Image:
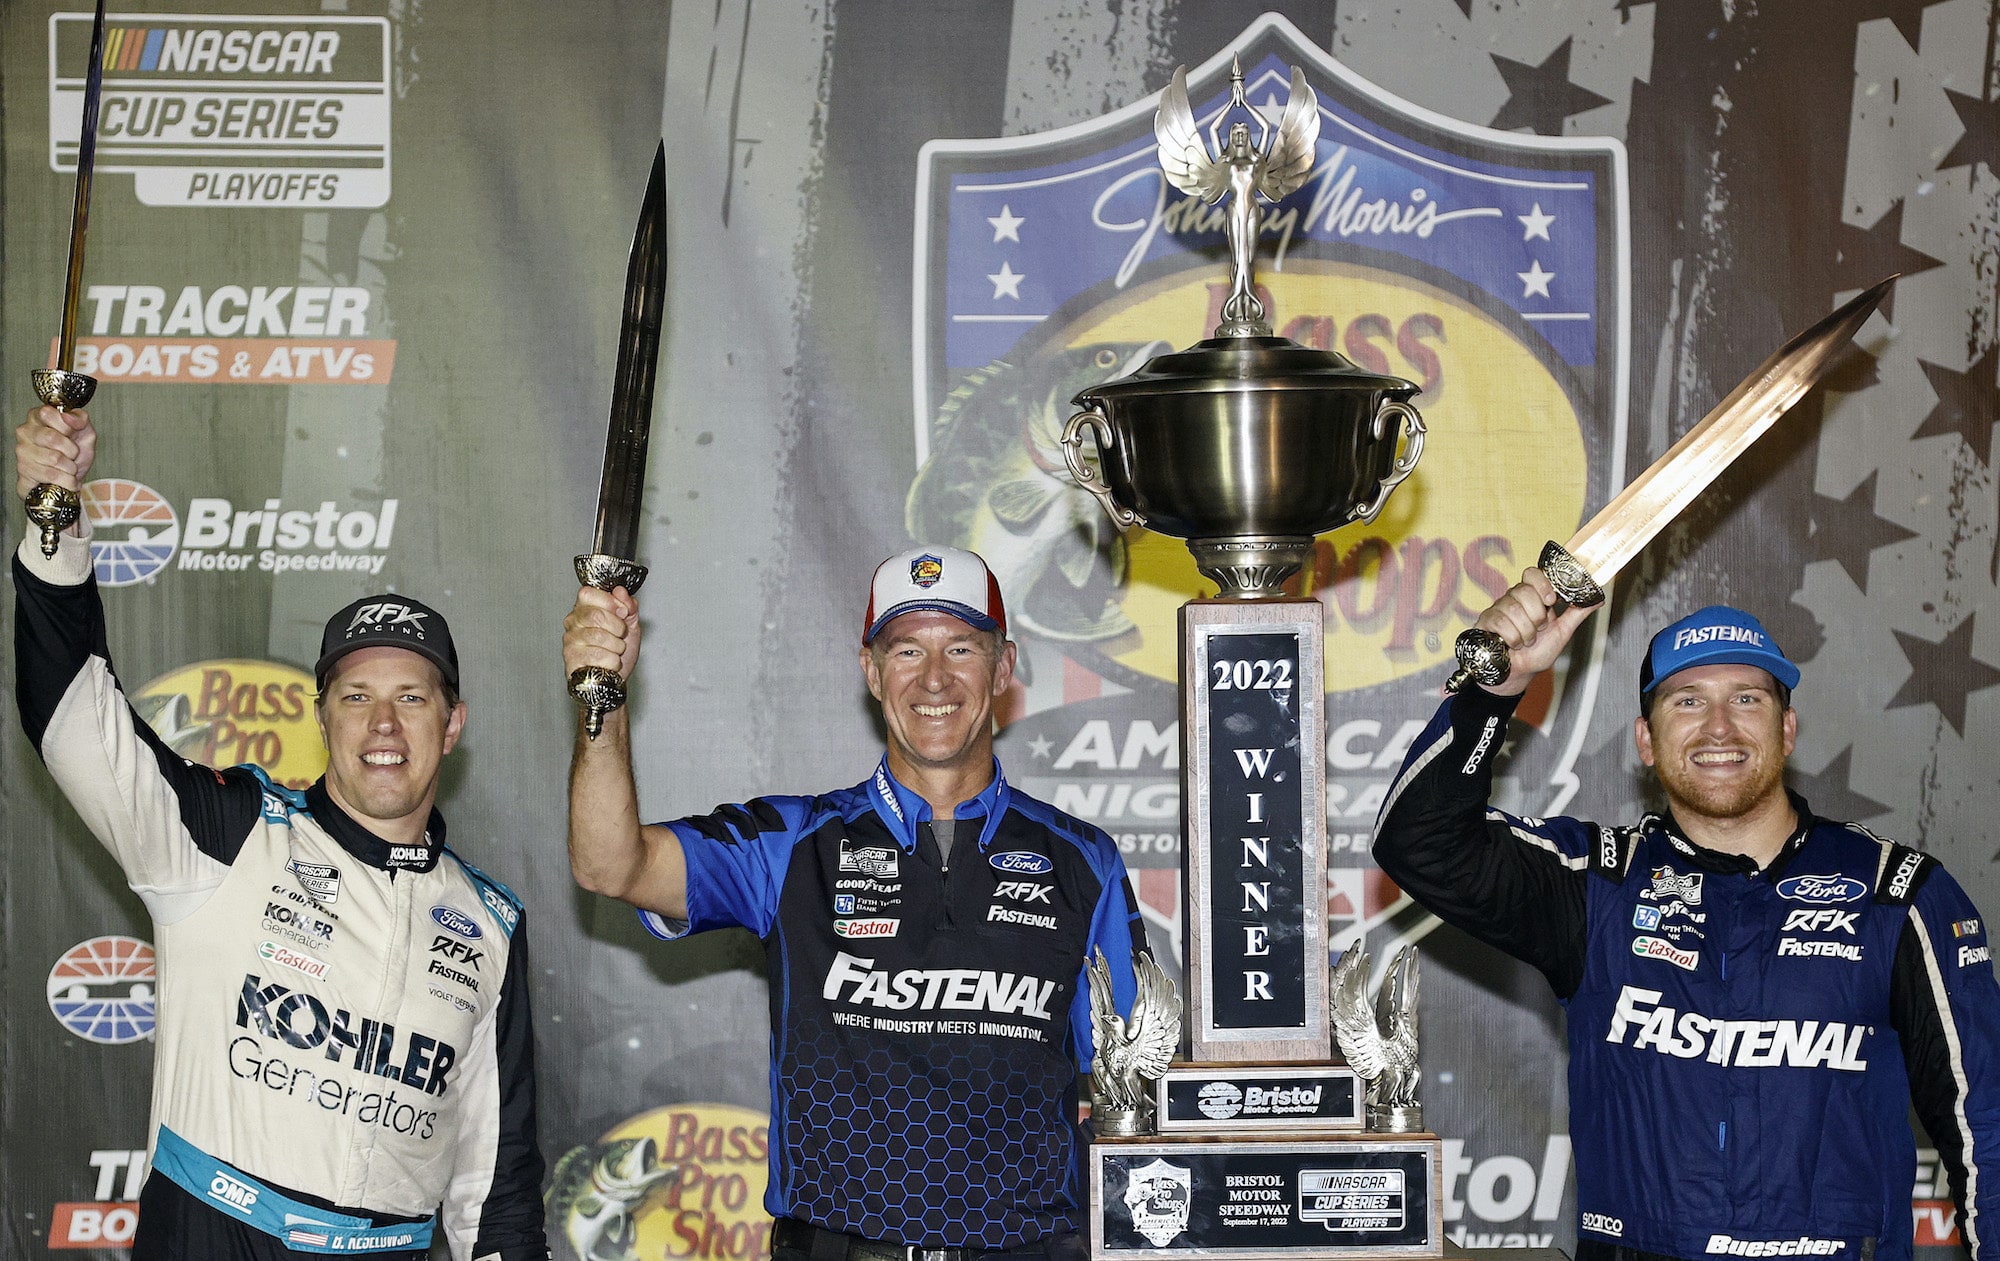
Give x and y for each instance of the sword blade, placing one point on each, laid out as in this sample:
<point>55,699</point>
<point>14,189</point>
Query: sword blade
<point>79,214</point>
<point>1654,498</point>
<point>622,491</point>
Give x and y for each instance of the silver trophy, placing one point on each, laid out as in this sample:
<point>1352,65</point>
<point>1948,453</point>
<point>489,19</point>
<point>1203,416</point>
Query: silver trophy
<point>1379,1039</point>
<point>1131,1054</point>
<point>1246,445</point>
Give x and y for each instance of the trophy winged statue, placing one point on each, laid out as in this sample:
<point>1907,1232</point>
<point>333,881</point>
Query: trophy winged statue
<point>1272,168</point>
<point>1130,1053</point>
<point>1380,1042</point>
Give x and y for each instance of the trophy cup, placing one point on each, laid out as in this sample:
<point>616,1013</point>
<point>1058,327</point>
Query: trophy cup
<point>1247,446</point>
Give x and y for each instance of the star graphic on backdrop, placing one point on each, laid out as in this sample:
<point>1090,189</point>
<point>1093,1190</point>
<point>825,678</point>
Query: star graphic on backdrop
<point>1541,97</point>
<point>1831,794</point>
<point>1848,530</point>
<point>1856,370</point>
<point>1908,15</point>
<point>1862,256</point>
<point>1040,746</point>
<point>1943,674</point>
<point>1968,403</point>
<point>1465,7</point>
<point>1535,281</point>
<point>1981,141</point>
<point>1007,282</point>
<point>1006,225</point>
<point>1537,223</point>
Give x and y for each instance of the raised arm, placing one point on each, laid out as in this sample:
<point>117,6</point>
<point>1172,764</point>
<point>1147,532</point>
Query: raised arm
<point>610,851</point>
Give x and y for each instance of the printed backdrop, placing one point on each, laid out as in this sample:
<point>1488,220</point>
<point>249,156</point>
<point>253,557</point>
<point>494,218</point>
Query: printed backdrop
<point>354,281</point>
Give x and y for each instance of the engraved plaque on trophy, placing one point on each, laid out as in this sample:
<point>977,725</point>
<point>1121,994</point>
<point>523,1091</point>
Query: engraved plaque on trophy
<point>1248,446</point>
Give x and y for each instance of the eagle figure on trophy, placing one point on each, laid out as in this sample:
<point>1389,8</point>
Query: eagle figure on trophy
<point>1132,1052</point>
<point>1278,163</point>
<point>1381,1044</point>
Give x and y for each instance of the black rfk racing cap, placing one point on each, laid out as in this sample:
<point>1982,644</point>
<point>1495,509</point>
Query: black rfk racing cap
<point>391,621</point>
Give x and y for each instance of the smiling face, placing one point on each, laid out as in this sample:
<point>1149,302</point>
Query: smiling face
<point>387,723</point>
<point>937,678</point>
<point>1718,737</point>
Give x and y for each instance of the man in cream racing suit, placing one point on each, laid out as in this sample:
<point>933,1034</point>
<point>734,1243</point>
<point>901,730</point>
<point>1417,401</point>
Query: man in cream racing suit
<point>343,1041</point>
<point>925,934</point>
<point>1755,995</point>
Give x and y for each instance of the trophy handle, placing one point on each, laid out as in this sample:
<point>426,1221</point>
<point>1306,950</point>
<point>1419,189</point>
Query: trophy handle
<point>597,689</point>
<point>1088,477</point>
<point>1413,450</point>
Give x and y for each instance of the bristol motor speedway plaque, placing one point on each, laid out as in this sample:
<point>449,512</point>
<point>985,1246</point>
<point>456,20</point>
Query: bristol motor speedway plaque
<point>1266,1200</point>
<point>1239,1099</point>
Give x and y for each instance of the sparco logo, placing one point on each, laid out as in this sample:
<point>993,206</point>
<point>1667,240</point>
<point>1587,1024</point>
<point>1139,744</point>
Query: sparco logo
<point>1479,749</point>
<point>1604,1224</point>
<point>1906,871</point>
<point>855,980</point>
<point>1822,889</point>
<point>1717,635</point>
<point>1803,1246</point>
<point>1022,862</point>
<point>451,919</point>
<point>302,1021</point>
<point>1737,1043</point>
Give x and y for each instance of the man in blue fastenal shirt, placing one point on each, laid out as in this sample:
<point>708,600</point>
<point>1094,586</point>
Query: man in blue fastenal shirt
<point>1755,994</point>
<point>925,934</point>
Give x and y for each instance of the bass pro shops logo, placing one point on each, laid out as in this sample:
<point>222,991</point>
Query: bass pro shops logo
<point>1159,1196</point>
<point>243,110</point>
<point>1488,268</point>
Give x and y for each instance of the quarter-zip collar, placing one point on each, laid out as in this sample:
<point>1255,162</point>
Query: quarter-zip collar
<point>1741,864</point>
<point>902,809</point>
<point>357,840</point>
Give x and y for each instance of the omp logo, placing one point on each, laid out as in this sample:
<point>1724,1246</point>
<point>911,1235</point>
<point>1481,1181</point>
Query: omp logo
<point>872,861</point>
<point>1737,1043</point>
<point>101,990</point>
<point>134,531</point>
<point>453,920</point>
<point>866,927</point>
<point>507,912</point>
<point>1821,889</point>
<point>1819,948</point>
<point>1484,743</point>
<point>1717,634</point>
<point>1022,862</point>
<point>855,980</point>
<point>239,110</point>
<point>301,1021</point>
<point>1604,1224</point>
<point>1025,891</point>
<point>1654,948</point>
<point>230,1193</point>
<point>1820,922</point>
<point>388,615</point>
<point>1804,1246</point>
<point>1969,955</point>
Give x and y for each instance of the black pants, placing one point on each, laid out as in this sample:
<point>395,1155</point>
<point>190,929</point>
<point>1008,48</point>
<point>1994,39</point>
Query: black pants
<point>175,1226</point>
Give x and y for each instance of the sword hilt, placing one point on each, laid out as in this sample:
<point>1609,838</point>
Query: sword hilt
<point>1482,655</point>
<point>597,689</point>
<point>55,508</point>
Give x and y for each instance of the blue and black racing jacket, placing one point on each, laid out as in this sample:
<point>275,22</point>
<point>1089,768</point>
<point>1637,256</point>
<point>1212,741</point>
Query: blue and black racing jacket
<point>1744,1044</point>
<point>928,1018</point>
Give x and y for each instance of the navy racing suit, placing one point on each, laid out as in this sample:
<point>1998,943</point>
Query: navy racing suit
<point>1744,1045</point>
<point>928,1017</point>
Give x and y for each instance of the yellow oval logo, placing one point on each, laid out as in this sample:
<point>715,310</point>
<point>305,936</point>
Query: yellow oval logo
<point>695,1191</point>
<point>238,712</point>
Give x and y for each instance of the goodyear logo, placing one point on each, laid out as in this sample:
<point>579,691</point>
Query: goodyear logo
<point>231,111</point>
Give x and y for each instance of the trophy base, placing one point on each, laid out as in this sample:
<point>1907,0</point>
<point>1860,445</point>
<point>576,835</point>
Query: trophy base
<point>1395,1118</point>
<point>1267,1198</point>
<point>1118,1122</point>
<point>1251,567</point>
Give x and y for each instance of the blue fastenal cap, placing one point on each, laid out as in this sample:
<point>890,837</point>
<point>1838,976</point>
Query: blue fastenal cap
<point>1717,635</point>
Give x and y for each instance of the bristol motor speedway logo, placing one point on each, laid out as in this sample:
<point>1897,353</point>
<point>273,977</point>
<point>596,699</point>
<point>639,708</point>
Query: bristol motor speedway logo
<point>238,110</point>
<point>135,533</point>
<point>1489,268</point>
<point>232,334</point>
<point>102,990</point>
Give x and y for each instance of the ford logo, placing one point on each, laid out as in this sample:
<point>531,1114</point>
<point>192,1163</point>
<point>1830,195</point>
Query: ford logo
<point>453,920</point>
<point>1022,862</point>
<point>1822,889</point>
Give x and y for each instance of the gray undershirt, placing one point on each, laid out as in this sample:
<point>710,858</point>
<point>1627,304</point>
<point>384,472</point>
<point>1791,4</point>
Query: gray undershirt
<point>942,830</point>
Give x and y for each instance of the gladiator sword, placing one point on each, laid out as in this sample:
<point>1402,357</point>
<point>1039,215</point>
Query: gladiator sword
<point>56,508</point>
<point>1580,568</point>
<point>609,564</point>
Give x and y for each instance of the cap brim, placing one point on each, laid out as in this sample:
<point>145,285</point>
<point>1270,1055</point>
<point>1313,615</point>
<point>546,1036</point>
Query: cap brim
<point>325,665</point>
<point>1777,667</point>
<point>963,612</point>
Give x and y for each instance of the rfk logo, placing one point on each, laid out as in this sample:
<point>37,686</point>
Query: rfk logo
<point>1024,891</point>
<point>388,613</point>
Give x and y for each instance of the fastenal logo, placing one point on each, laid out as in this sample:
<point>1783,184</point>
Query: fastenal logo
<point>230,111</point>
<point>236,713</point>
<point>133,530</point>
<point>233,335</point>
<point>102,990</point>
